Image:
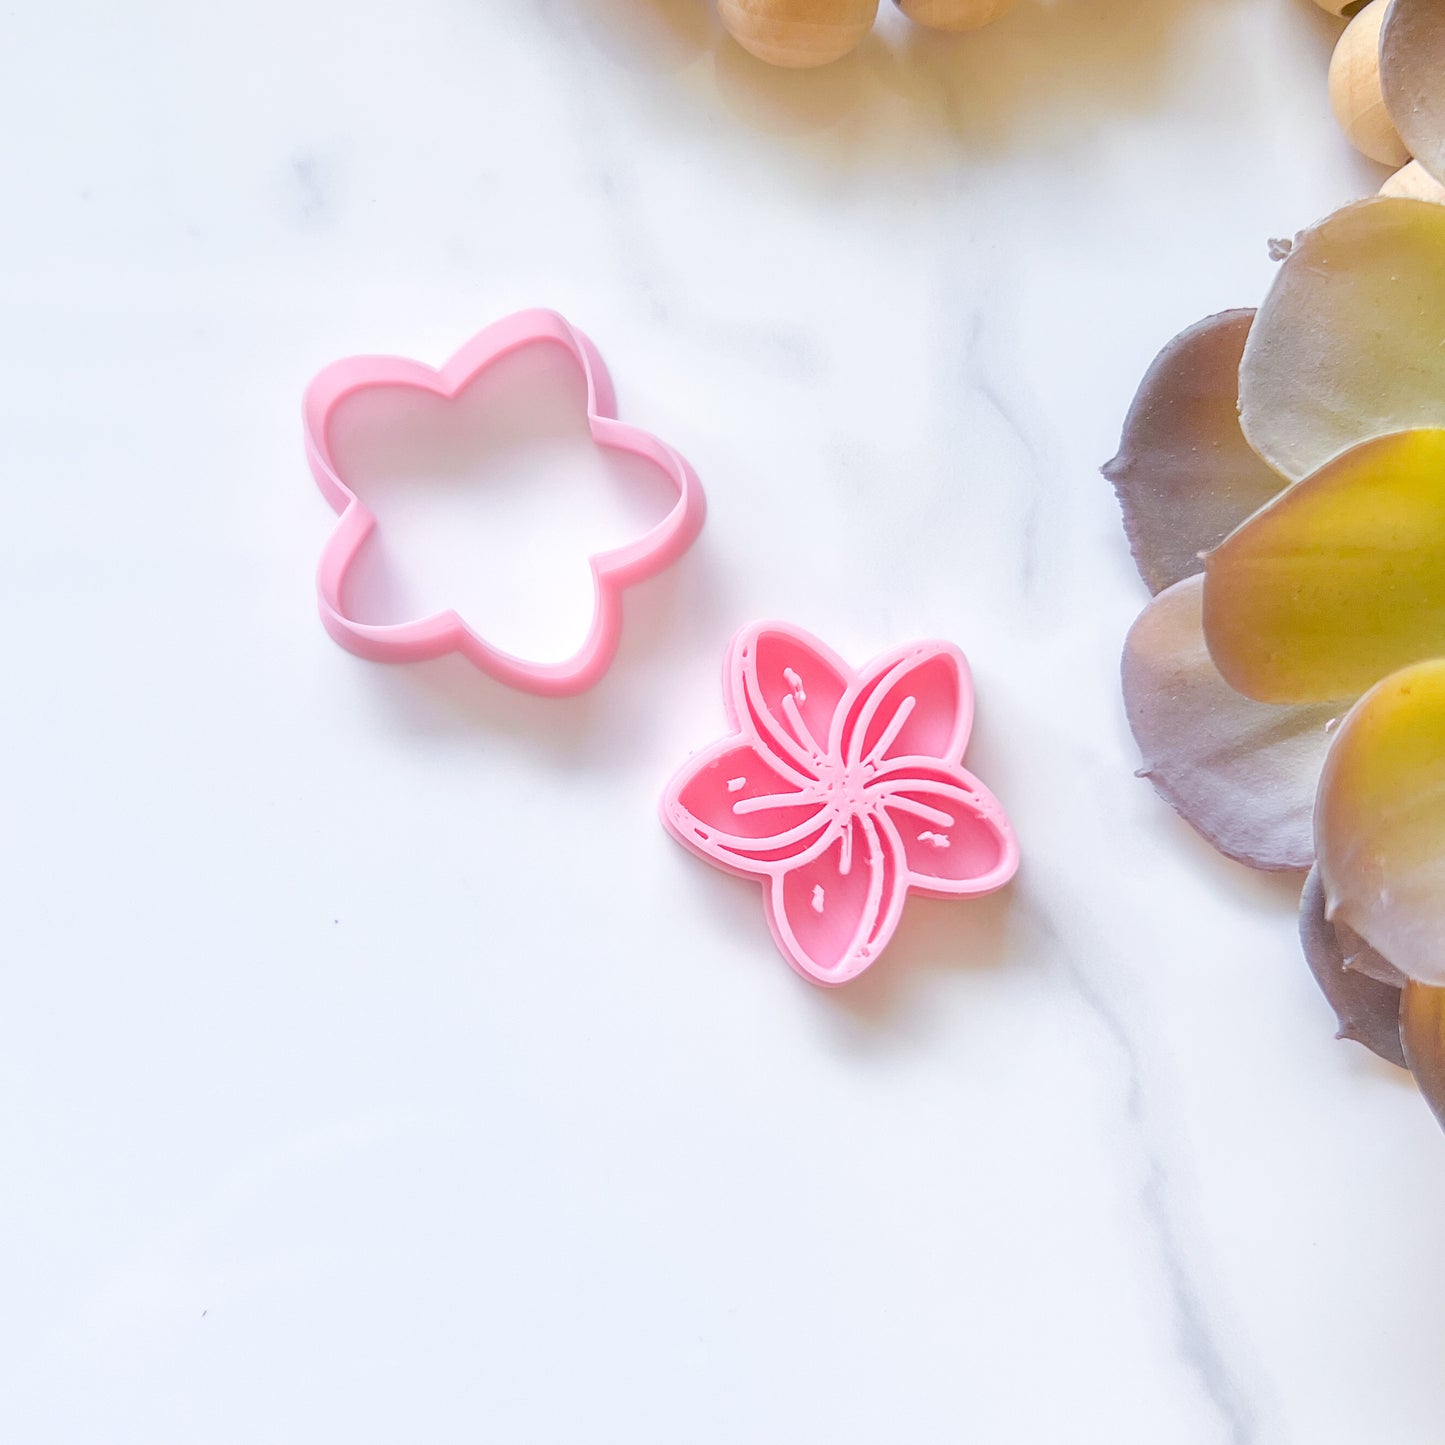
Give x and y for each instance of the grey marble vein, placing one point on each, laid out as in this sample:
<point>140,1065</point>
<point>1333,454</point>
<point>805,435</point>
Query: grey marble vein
<point>1197,1339</point>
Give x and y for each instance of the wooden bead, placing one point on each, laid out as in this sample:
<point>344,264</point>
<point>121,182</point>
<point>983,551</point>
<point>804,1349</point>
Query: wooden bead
<point>1415,182</point>
<point>1355,94</point>
<point>1345,9</point>
<point>798,33</point>
<point>954,14</point>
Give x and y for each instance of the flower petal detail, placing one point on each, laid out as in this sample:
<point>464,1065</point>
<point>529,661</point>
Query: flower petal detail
<point>784,684</point>
<point>737,806</point>
<point>834,868</point>
<point>1242,774</point>
<point>1368,1010</point>
<point>1412,67</point>
<point>955,837</point>
<point>1185,476</point>
<point>834,913</point>
<point>1380,821</point>
<point>1422,1028</point>
<point>1348,344</point>
<point>915,701</point>
<point>1340,580</point>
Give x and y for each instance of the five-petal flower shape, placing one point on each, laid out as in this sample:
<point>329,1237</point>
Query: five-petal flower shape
<point>841,790</point>
<point>418,639</point>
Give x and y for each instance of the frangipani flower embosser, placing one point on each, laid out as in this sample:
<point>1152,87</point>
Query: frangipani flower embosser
<point>841,791</point>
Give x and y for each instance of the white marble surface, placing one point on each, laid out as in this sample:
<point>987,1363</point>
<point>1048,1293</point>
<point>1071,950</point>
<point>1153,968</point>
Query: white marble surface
<point>373,1067</point>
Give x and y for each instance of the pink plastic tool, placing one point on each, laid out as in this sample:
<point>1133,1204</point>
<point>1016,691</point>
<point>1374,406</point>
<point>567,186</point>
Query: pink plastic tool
<point>445,632</point>
<point>841,791</point>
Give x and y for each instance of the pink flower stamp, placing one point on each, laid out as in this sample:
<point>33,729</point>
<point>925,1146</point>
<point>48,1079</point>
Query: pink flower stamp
<point>841,791</point>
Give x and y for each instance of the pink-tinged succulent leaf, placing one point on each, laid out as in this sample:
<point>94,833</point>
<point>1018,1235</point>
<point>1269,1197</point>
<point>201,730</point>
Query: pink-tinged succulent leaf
<point>955,838</point>
<point>1243,774</point>
<point>916,701</point>
<point>1422,1028</point>
<point>1361,958</point>
<point>1367,1009</point>
<point>742,806</point>
<point>785,686</point>
<point>832,913</point>
<point>1380,821</point>
<point>1412,76</point>
<point>1185,476</point>
<point>1350,342</point>
<point>1340,580</point>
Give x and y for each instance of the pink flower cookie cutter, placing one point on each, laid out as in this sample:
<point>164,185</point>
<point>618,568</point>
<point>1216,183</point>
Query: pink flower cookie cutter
<point>444,632</point>
<point>841,792</point>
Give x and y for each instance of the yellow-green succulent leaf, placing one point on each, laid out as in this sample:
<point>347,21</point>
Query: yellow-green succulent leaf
<point>1380,821</point>
<point>1337,582</point>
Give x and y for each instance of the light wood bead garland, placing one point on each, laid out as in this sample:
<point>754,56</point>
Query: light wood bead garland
<point>954,14</point>
<point>1355,93</point>
<point>800,34</point>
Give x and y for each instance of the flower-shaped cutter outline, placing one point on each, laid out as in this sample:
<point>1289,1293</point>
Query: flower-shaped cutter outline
<point>613,571</point>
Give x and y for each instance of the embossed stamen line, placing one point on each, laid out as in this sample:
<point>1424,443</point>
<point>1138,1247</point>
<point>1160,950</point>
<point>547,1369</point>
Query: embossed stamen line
<point>936,816</point>
<point>794,715</point>
<point>768,800</point>
<point>895,726</point>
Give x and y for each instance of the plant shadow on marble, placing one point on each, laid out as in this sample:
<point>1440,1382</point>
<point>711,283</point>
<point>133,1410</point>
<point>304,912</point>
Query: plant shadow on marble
<point>1254,888</point>
<point>936,936</point>
<point>1038,78</point>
